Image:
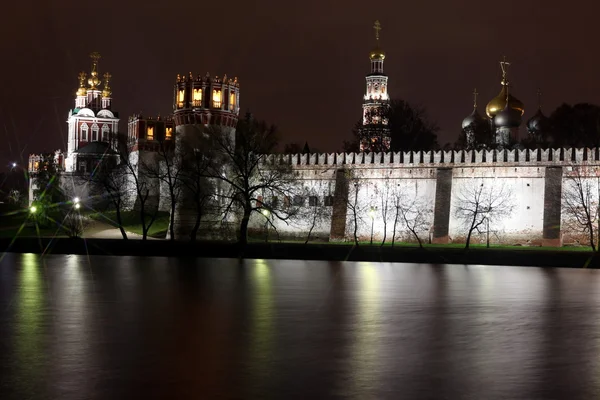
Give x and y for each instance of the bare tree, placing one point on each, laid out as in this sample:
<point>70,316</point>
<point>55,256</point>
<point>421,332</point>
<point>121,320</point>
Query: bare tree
<point>580,203</point>
<point>198,190</point>
<point>479,203</point>
<point>166,168</point>
<point>416,215</point>
<point>141,184</point>
<point>109,180</point>
<point>386,203</point>
<point>354,205</point>
<point>318,212</point>
<point>247,171</point>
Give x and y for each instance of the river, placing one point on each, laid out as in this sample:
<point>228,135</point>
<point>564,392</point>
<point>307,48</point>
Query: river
<point>102,327</point>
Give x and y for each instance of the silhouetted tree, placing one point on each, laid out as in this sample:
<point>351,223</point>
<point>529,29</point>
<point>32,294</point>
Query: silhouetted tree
<point>576,126</point>
<point>409,127</point>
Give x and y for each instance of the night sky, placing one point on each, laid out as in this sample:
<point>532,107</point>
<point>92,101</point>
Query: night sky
<point>301,64</point>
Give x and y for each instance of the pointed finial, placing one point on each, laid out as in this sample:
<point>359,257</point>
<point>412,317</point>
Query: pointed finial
<point>504,66</point>
<point>94,82</point>
<point>377,28</point>
<point>539,94</point>
<point>106,92</point>
<point>475,98</point>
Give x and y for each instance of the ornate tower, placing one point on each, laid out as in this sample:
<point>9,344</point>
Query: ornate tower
<point>92,123</point>
<point>375,133</point>
<point>200,102</point>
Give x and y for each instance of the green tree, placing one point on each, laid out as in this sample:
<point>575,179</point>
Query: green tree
<point>47,193</point>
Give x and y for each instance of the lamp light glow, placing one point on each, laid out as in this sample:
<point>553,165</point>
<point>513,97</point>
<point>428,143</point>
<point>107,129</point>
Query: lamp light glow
<point>33,209</point>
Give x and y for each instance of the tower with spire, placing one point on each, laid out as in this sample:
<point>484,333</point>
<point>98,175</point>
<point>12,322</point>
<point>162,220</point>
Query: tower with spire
<point>375,132</point>
<point>91,124</point>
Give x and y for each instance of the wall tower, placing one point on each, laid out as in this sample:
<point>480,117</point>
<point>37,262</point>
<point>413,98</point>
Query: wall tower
<point>375,132</point>
<point>200,102</point>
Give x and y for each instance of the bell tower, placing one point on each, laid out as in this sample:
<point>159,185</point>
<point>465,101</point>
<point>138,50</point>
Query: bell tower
<point>375,133</point>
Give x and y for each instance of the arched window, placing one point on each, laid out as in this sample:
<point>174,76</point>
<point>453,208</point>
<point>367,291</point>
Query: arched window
<point>216,98</point>
<point>105,132</point>
<point>232,101</point>
<point>197,97</point>
<point>84,133</point>
<point>95,130</point>
<point>168,133</point>
<point>180,98</point>
<point>150,133</point>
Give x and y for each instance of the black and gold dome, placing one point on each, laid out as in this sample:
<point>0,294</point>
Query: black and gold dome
<point>498,103</point>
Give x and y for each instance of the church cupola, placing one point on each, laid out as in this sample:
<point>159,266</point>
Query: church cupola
<point>377,55</point>
<point>81,99</point>
<point>93,90</point>
<point>106,93</point>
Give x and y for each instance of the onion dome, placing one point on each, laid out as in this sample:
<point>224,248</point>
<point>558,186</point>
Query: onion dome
<point>509,117</point>
<point>537,122</point>
<point>473,118</point>
<point>499,103</point>
<point>94,81</point>
<point>377,54</point>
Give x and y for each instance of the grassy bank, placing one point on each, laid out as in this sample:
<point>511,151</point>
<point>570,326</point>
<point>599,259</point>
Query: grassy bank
<point>132,222</point>
<point>338,252</point>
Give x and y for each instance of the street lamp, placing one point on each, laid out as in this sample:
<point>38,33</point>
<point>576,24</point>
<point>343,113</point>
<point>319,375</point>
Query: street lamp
<point>372,215</point>
<point>14,165</point>
<point>33,209</point>
<point>267,214</point>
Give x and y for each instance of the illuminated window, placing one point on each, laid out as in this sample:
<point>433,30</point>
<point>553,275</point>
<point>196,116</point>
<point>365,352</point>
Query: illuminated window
<point>169,133</point>
<point>197,98</point>
<point>180,98</point>
<point>150,133</point>
<point>232,101</point>
<point>216,98</point>
<point>84,133</point>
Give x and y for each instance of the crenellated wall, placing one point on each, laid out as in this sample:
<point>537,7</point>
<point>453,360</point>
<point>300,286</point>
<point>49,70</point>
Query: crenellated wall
<point>436,180</point>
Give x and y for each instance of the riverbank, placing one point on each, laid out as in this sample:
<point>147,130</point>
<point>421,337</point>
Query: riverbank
<point>298,251</point>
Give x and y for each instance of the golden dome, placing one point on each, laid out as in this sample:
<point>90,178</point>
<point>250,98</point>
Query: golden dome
<point>498,103</point>
<point>377,54</point>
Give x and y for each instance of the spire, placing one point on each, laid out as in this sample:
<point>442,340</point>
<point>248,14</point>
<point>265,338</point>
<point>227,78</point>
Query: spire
<point>475,98</point>
<point>94,81</point>
<point>539,95</point>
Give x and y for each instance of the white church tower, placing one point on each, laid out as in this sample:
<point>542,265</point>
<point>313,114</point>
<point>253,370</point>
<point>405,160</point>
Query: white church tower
<point>91,124</point>
<point>375,133</point>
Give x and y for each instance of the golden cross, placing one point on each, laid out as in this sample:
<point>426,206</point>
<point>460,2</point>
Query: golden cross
<point>475,98</point>
<point>107,76</point>
<point>504,65</point>
<point>377,28</point>
<point>539,93</point>
<point>82,76</point>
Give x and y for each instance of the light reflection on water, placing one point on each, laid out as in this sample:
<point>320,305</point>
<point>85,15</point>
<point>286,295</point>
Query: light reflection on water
<point>77,327</point>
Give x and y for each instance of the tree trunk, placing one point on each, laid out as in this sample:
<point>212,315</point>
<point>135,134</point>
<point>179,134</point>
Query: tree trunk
<point>120,222</point>
<point>384,231</point>
<point>172,219</point>
<point>310,231</point>
<point>355,228</point>
<point>395,226</point>
<point>194,231</point>
<point>244,227</point>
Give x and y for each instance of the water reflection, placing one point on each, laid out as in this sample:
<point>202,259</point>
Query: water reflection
<point>106,327</point>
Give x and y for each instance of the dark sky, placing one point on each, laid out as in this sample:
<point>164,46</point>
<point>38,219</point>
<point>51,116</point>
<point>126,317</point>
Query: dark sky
<point>301,64</point>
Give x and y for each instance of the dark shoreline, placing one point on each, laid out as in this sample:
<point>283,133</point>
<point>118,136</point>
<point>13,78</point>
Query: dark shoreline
<point>298,251</point>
